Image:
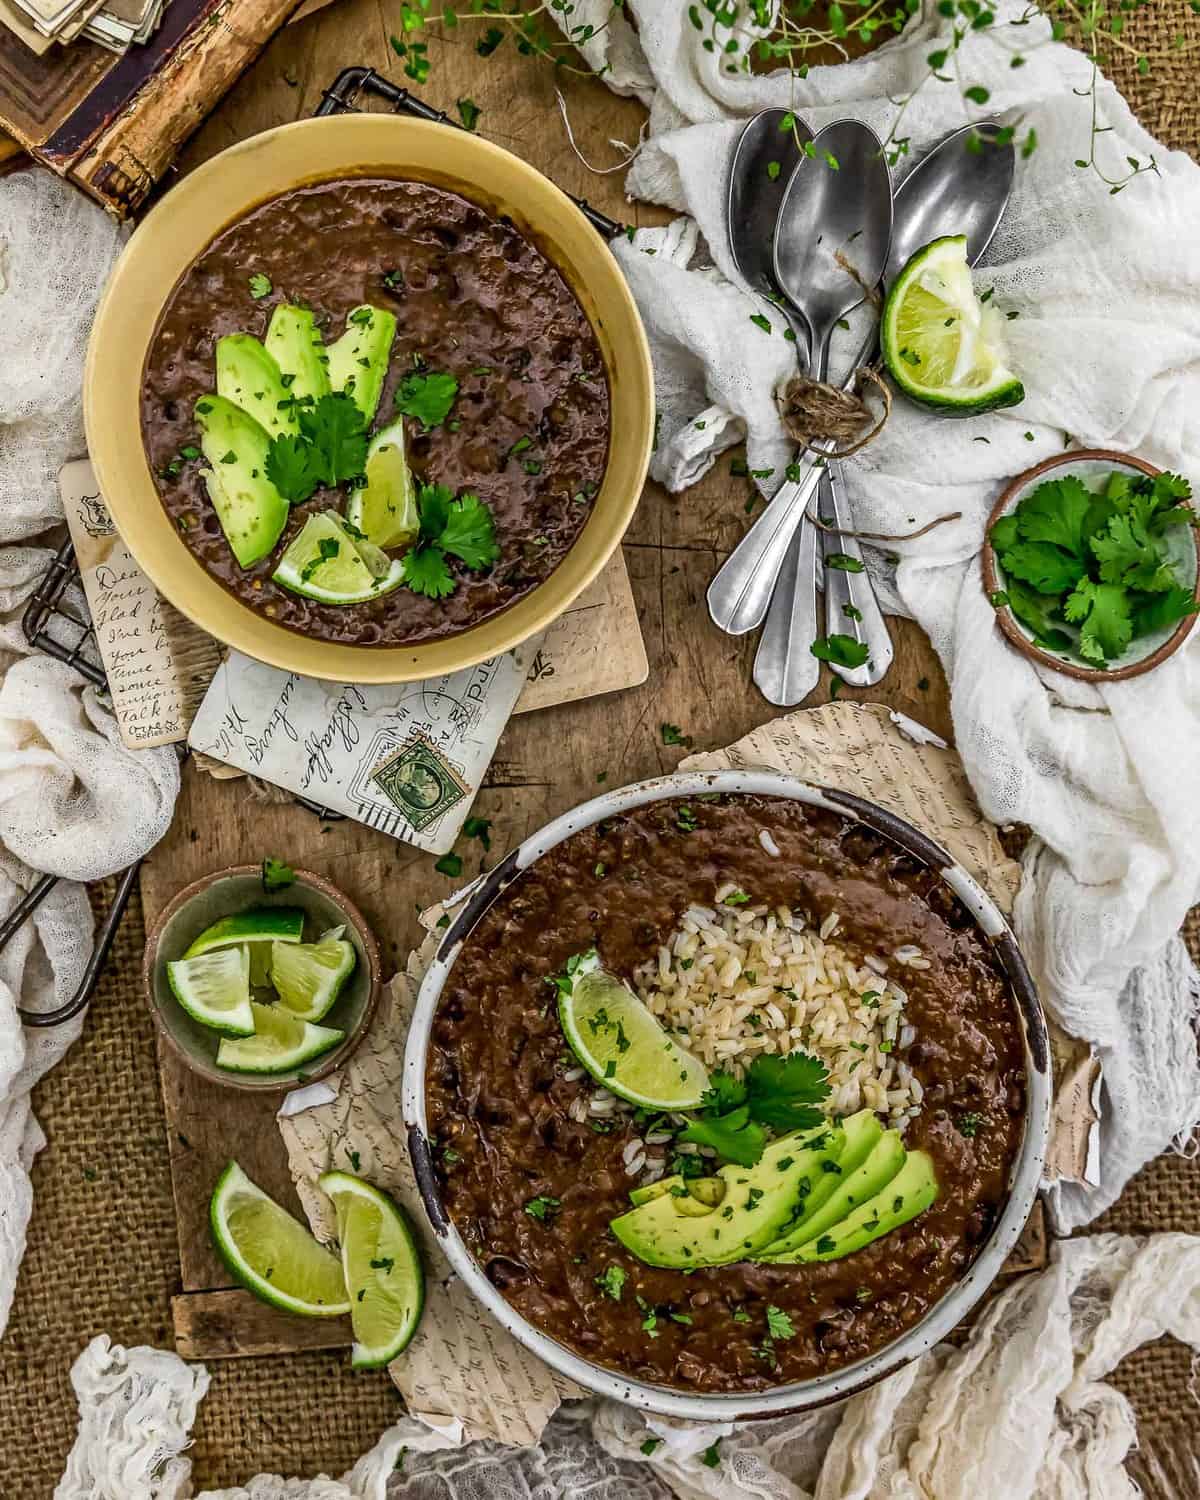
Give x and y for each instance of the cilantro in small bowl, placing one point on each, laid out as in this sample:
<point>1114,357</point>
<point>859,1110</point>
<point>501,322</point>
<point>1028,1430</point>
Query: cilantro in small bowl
<point>1090,562</point>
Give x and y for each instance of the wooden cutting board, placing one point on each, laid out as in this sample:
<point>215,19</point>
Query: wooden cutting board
<point>546,762</point>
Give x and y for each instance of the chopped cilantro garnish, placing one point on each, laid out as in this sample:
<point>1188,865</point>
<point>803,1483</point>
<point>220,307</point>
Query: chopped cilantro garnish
<point>612,1281</point>
<point>427,395</point>
<point>276,876</point>
<point>260,286</point>
<point>543,1208</point>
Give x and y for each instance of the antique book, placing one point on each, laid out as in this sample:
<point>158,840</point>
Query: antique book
<point>113,122</point>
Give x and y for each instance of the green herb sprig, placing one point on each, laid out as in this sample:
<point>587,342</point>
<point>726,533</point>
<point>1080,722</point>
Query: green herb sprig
<point>1099,561</point>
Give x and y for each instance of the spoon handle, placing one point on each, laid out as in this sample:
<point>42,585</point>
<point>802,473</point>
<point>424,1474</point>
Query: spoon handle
<point>785,670</point>
<point>740,593</point>
<point>851,606</point>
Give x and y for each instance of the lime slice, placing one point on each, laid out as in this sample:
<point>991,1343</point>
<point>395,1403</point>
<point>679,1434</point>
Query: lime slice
<point>385,509</point>
<point>942,346</point>
<point>308,977</point>
<point>382,1267</point>
<point>272,1254</point>
<point>281,1041</point>
<point>257,925</point>
<point>323,563</point>
<point>620,1043</point>
<point>214,989</point>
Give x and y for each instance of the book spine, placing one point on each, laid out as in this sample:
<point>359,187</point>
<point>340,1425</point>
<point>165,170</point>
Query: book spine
<point>122,165</point>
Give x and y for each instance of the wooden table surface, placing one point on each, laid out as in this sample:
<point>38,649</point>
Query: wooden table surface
<point>548,761</point>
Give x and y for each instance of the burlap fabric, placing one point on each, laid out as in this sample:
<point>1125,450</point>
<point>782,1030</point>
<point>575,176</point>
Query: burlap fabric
<point>102,1250</point>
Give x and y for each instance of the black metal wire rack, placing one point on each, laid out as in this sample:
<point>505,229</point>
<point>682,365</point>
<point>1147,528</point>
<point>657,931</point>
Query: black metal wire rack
<point>52,623</point>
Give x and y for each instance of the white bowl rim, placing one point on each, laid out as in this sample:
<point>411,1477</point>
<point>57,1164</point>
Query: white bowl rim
<point>1024,1176</point>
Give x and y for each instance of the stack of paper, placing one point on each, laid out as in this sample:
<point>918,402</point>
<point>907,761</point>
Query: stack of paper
<point>115,24</point>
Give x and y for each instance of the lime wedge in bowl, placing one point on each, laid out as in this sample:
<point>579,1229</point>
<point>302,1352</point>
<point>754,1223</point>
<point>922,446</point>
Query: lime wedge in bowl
<point>324,562</point>
<point>272,1254</point>
<point>385,509</point>
<point>620,1043</point>
<point>382,1268</point>
<point>308,977</point>
<point>281,1041</point>
<point>214,989</point>
<point>258,924</point>
<point>942,346</point>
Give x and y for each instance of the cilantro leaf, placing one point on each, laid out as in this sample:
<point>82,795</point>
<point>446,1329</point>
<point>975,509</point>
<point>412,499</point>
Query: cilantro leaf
<point>427,395</point>
<point>425,572</point>
<point>469,532</point>
<point>841,650</point>
<point>1160,610</point>
<point>1103,611</point>
<point>734,1135</point>
<point>543,1208</point>
<point>784,1091</point>
<point>276,876</point>
<point>612,1281</point>
<point>1048,568</point>
<point>1038,612</point>
<point>338,431</point>
<point>779,1325</point>
<point>1128,556</point>
<point>260,286</point>
<point>433,506</point>
<point>327,549</point>
<point>1005,533</point>
<point>724,1092</point>
<point>293,467</point>
<point>1056,512</point>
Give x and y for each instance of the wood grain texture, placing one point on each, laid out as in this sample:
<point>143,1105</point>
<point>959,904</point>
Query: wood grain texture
<point>546,761</point>
<point>235,1325</point>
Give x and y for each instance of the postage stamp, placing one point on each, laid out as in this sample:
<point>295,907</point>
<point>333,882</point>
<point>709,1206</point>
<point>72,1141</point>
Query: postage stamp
<point>419,781</point>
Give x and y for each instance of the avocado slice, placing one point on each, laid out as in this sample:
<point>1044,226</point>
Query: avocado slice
<point>758,1203</point>
<point>250,509</point>
<point>358,361</point>
<point>908,1194</point>
<point>294,341</point>
<point>863,1132</point>
<point>706,1190</point>
<point>249,377</point>
<point>883,1164</point>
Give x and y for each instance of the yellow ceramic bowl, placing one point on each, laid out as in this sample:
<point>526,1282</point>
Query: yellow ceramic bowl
<point>226,188</point>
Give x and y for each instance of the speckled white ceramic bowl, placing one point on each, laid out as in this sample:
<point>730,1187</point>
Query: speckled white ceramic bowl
<point>1025,1174</point>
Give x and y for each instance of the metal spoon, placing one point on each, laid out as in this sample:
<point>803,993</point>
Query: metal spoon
<point>960,181</point>
<point>767,153</point>
<point>956,188</point>
<point>831,245</point>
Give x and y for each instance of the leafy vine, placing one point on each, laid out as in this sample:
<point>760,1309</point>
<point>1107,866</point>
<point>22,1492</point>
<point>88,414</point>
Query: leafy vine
<point>797,34</point>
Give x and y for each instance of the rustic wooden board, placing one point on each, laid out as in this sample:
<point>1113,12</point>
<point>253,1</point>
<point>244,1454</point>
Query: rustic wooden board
<point>547,761</point>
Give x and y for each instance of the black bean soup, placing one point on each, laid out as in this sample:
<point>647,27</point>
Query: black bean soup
<point>500,1089</point>
<point>472,296</point>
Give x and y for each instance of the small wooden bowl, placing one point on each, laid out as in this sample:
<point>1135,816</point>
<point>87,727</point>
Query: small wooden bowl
<point>1084,460</point>
<point>222,894</point>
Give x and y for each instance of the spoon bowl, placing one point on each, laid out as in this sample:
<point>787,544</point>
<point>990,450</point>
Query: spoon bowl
<point>955,189</point>
<point>834,229</point>
<point>768,151</point>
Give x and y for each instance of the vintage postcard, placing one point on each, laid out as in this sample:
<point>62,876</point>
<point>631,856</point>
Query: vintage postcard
<point>405,758</point>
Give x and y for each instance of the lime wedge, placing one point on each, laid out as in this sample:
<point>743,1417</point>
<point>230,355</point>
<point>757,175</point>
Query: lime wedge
<point>281,1041</point>
<point>324,563</point>
<point>382,1268</point>
<point>257,925</point>
<point>385,509</point>
<point>942,346</point>
<point>620,1043</point>
<point>272,1254</point>
<point>309,976</point>
<point>214,989</point>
